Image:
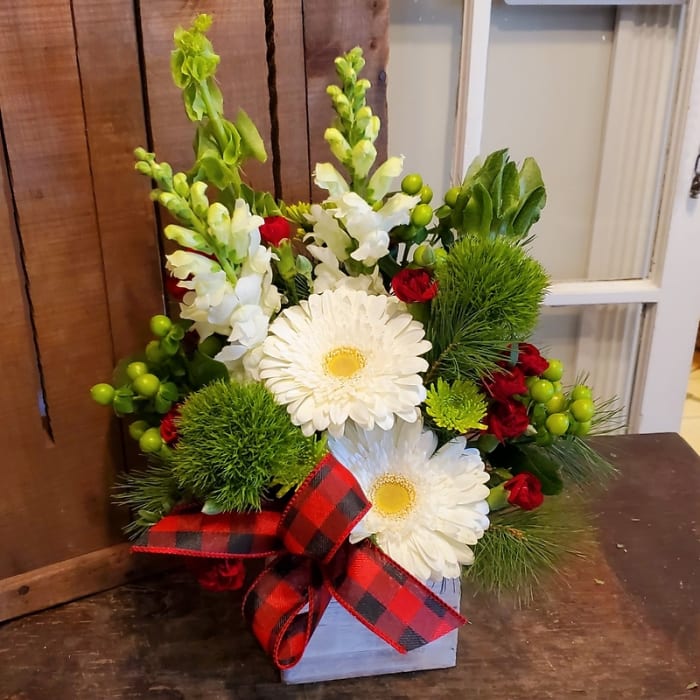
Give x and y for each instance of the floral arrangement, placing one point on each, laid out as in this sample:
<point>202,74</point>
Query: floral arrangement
<point>366,355</point>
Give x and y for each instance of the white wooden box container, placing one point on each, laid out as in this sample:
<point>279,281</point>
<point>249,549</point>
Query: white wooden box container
<point>342,647</point>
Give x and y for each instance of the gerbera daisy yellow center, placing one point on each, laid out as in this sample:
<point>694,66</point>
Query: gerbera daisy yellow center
<point>393,495</point>
<point>343,362</point>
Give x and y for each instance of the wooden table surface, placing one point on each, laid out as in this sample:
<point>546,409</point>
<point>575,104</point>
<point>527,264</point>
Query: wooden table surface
<point>624,624</point>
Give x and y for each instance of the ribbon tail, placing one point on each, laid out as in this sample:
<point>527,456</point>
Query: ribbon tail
<point>389,601</point>
<point>284,606</point>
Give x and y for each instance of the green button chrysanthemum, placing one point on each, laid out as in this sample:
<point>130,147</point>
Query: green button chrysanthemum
<point>459,406</point>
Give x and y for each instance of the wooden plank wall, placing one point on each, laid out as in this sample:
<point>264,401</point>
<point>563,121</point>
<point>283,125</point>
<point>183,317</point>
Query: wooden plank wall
<point>82,82</point>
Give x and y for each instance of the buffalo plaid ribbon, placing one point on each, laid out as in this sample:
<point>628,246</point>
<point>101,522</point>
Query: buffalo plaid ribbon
<point>311,561</point>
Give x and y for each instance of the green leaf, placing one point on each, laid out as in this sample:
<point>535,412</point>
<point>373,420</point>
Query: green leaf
<point>250,137</point>
<point>529,212</point>
<point>527,457</point>
<point>169,391</point>
<point>169,345</point>
<point>215,171</point>
<point>194,104</point>
<point>492,168</point>
<point>161,404</point>
<point>478,213</point>
<point>204,370</point>
<point>530,177</point>
<point>510,190</point>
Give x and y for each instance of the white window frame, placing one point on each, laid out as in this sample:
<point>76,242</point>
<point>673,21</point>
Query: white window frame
<point>670,295</point>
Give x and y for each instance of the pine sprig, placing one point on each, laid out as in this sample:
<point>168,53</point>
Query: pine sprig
<point>150,493</point>
<point>490,292</point>
<point>235,442</point>
<point>520,547</point>
<point>579,463</point>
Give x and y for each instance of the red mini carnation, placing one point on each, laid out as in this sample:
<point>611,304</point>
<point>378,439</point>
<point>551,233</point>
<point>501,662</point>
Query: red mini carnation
<point>275,230</point>
<point>507,419</point>
<point>505,384</point>
<point>226,575</point>
<point>414,285</point>
<point>530,361</point>
<point>524,491</point>
<point>168,429</point>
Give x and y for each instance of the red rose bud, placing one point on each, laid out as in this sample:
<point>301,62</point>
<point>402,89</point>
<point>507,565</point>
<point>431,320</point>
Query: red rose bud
<point>168,429</point>
<point>226,575</point>
<point>502,385</point>
<point>413,286</point>
<point>525,491</point>
<point>275,230</point>
<point>530,361</point>
<point>507,419</point>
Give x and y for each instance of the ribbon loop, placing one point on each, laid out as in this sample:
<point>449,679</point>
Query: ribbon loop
<point>323,511</point>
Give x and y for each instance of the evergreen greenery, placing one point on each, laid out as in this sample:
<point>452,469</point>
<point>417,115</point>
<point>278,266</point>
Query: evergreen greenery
<point>235,442</point>
<point>490,292</point>
<point>521,546</point>
<point>579,463</point>
<point>150,493</point>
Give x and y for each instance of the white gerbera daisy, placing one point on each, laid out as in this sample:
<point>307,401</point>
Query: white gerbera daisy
<point>345,354</point>
<point>427,507</point>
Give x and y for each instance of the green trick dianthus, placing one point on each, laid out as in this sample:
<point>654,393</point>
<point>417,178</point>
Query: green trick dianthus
<point>235,443</point>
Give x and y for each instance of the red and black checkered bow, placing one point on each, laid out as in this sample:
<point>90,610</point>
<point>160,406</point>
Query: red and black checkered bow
<point>312,562</point>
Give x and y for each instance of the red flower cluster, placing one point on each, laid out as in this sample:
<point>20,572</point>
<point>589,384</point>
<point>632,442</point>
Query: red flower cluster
<point>221,575</point>
<point>414,285</point>
<point>275,230</point>
<point>525,491</point>
<point>507,417</point>
<point>168,429</point>
<point>530,361</point>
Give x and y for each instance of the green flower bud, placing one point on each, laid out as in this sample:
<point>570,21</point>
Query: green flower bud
<point>143,167</point>
<point>372,128</point>
<point>199,199</point>
<point>180,184</point>
<point>362,117</point>
<point>361,87</point>
<point>497,498</point>
<point>341,104</point>
<point>424,255</point>
<point>286,265</point>
<point>338,145</point>
<point>143,154</point>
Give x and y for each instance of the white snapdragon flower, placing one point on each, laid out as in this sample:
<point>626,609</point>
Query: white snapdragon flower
<point>371,228</point>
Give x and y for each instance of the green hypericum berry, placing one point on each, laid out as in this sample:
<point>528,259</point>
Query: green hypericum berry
<point>422,215</point>
<point>151,441</point>
<point>557,423</point>
<point>154,353</point>
<point>160,325</point>
<point>581,391</point>
<point>102,394</point>
<point>426,194</point>
<point>146,385</point>
<point>136,369</point>
<point>542,391</point>
<point>138,428</point>
<point>582,410</point>
<point>557,403</point>
<point>412,183</point>
<point>451,196</point>
<point>555,371</point>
